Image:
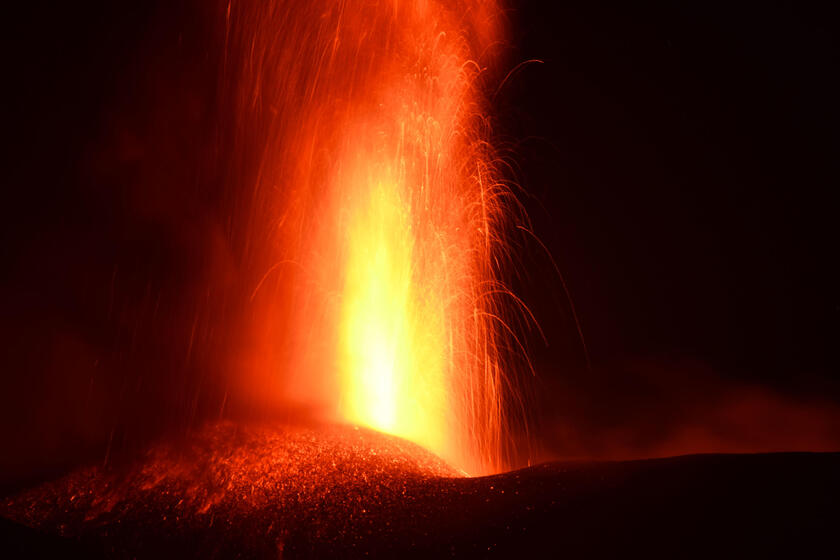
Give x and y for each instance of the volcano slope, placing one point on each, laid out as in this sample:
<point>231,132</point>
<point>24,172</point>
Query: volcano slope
<point>266,491</point>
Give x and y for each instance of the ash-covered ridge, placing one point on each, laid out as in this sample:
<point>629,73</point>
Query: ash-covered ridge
<point>263,480</point>
<point>268,491</point>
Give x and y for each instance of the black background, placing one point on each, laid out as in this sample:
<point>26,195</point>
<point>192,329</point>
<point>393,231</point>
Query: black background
<point>676,159</point>
<point>684,154</point>
<point>679,164</point>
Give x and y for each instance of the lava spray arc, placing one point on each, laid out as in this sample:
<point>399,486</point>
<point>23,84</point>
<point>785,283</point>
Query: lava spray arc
<point>375,229</point>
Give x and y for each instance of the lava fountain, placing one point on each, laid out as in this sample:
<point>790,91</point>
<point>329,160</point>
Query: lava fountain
<point>375,230</point>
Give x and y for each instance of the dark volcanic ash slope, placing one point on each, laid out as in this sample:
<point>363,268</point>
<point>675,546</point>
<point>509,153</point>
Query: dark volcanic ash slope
<point>235,489</point>
<point>269,491</point>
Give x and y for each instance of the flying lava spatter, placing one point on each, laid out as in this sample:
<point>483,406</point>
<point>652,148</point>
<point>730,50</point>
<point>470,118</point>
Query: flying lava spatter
<point>379,298</point>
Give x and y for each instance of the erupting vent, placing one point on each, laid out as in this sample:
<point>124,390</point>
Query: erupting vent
<point>378,189</point>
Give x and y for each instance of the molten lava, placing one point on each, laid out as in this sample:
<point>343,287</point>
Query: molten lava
<point>377,300</point>
<point>392,334</point>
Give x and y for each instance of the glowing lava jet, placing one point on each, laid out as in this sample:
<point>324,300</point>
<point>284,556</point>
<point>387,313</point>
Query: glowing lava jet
<point>376,185</point>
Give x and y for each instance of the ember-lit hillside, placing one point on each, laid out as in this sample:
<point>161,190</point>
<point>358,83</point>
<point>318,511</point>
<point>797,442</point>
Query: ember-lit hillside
<point>443,277</point>
<point>266,491</point>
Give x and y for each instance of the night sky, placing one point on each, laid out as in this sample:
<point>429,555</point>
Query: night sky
<point>680,162</point>
<point>677,160</point>
<point>684,158</point>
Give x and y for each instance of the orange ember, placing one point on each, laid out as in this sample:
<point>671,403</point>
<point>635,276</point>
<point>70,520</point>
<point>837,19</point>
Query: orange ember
<point>377,294</point>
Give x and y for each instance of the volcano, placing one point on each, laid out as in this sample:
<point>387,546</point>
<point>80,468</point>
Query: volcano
<point>325,279</point>
<point>264,490</point>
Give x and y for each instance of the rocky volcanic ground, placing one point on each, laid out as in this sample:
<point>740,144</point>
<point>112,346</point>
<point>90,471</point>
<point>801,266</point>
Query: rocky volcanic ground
<point>260,490</point>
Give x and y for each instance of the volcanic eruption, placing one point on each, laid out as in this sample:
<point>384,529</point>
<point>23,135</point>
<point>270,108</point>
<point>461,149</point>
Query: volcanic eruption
<point>294,324</point>
<point>378,219</point>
